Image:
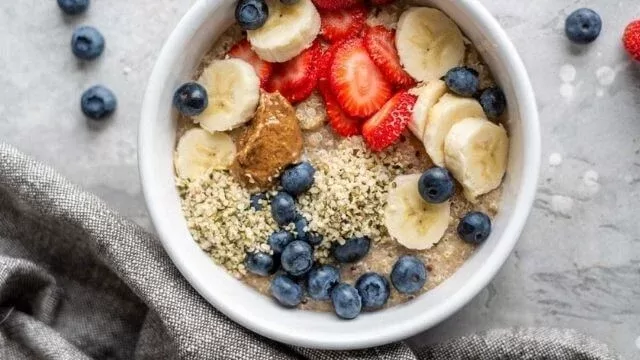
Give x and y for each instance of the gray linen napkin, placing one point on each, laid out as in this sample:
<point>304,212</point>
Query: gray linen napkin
<point>77,281</point>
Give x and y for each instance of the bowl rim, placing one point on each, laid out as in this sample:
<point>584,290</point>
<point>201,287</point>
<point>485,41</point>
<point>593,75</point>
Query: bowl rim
<point>531,157</point>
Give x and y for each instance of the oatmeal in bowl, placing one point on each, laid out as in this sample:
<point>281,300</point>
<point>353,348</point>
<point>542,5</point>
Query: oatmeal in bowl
<point>340,156</point>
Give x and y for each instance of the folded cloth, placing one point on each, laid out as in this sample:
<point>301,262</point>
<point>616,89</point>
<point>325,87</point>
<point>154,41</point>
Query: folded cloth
<point>77,281</point>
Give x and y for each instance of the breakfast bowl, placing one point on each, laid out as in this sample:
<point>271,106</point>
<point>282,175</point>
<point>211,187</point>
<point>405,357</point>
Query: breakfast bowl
<point>179,61</point>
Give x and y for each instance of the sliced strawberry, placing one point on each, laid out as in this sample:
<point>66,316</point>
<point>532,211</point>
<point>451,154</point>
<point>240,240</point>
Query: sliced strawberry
<point>296,78</point>
<point>356,81</point>
<point>242,50</point>
<point>380,43</point>
<point>343,124</point>
<point>336,4</point>
<point>385,127</point>
<point>342,24</point>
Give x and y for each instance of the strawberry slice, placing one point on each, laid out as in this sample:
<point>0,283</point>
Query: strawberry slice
<point>380,43</point>
<point>343,124</point>
<point>296,78</point>
<point>336,4</point>
<point>356,81</point>
<point>242,50</point>
<point>385,127</point>
<point>342,24</point>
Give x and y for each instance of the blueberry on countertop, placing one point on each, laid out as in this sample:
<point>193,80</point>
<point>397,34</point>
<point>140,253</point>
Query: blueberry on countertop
<point>374,290</point>
<point>260,263</point>
<point>73,7</point>
<point>462,80</point>
<point>298,178</point>
<point>251,14</point>
<point>297,258</point>
<point>352,250</point>
<point>191,99</point>
<point>493,102</point>
<point>283,208</point>
<point>474,228</point>
<point>583,26</point>
<point>98,102</point>
<point>87,43</point>
<point>279,240</point>
<point>436,185</point>
<point>286,291</point>
<point>408,275</point>
<point>346,301</point>
<point>321,280</point>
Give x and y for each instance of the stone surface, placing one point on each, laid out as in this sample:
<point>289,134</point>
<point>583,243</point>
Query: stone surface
<point>578,262</point>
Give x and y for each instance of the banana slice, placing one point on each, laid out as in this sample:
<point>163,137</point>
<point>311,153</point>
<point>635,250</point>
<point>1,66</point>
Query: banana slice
<point>413,222</point>
<point>288,31</point>
<point>199,151</point>
<point>476,152</point>
<point>442,116</point>
<point>234,92</point>
<point>429,43</point>
<point>428,96</point>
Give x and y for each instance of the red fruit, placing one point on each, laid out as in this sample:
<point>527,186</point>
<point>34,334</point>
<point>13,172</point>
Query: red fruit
<point>242,50</point>
<point>380,43</point>
<point>296,78</point>
<point>385,127</point>
<point>336,4</point>
<point>342,24</point>
<point>356,81</point>
<point>631,39</point>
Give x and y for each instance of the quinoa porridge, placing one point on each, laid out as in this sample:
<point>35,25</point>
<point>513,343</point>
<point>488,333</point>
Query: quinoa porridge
<point>412,166</point>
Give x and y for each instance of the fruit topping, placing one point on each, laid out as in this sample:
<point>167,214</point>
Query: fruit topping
<point>283,208</point>
<point>336,4</point>
<point>342,24</point>
<point>298,178</point>
<point>380,43</point>
<point>408,275</point>
<point>493,102</point>
<point>286,291</point>
<point>462,80</point>
<point>356,82</point>
<point>583,26</point>
<point>474,228</point>
<point>374,290</point>
<point>260,263</point>
<point>257,201</point>
<point>242,50</point>
<point>354,249</point>
<point>436,185</point>
<point>346,301</point>
<point>297,78</point>
<point>321,280</point>
<point>428,96</point>
<point>190,99</point>
<point>385,127</point>
<point>279,240</point>
<point>251,14</point>
<point>200,151</point>
<point>297,258</point>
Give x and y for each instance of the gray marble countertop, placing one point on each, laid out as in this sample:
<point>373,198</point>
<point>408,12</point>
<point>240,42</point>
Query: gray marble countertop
<point>577,264</point>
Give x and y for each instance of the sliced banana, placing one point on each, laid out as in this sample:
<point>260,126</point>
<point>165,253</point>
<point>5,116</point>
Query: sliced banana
<point>429,43</point>
<point>199,151</point>
<point>428,96</point>
<point>476,152</point>
<point>413,222</point>
<point>442,116</point>
<point>234,92</point>
<point>288,31</point>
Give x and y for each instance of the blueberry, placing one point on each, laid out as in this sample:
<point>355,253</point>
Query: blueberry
<point>260,263</point>
<point>493,102</point>
<point>98,102</point>
<point>321,281</point>
<point>297,258</point>
<point>256,200</point>
<point>583,26</point>
<point>286,291</point>
<point>73,7</point>
<point>87,43</point>
<point>283,208</point>
<point>302,229</point>
<point>191,99</point>
<point>352,250</point>
<point>279,240</point>
<point>298,178</point>
<point>462,80</point>
<point>436,185</point>
<point>346,301</point>
<point>408,274</point>
<point>374,290</point>
<point>474,227</point>
<point>314,238</point>
<point>251,14</point>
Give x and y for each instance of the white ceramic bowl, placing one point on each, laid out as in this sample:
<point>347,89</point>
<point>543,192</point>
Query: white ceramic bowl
<point>179,58</point>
